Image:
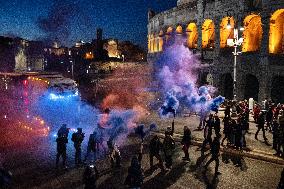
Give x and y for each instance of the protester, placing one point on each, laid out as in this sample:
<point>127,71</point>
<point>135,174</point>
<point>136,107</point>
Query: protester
<point>134,178</point>
<point>260,125</point>
<point>215,149</point>
<point>90,177</point>
<point>186,141</point>
<point>207,133</point>
<point>227,130</point>
<point>78,138</point>
<point>155,147</point>
<point>93,144</point>
<point>168,147</point>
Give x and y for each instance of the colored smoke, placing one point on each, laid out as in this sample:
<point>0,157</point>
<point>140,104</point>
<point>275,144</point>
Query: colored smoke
<point>177,70</point>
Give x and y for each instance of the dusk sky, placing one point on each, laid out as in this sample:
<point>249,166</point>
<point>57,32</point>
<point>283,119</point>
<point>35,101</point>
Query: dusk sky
<point>70,21</point>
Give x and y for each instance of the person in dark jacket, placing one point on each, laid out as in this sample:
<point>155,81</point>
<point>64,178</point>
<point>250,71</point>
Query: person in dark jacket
<point>186,141</point>
<point>215,150</point>
<point>134,178</point>
<point>155,147</point>
<point>61,141</point>
<point>207,133</point>
<point>269,118</point>
<point>217,125</point>
<point>260,125</point>
<point>93,145</point>
<point>228,111</point>
<point>90,177</point>
<point>168,147</point>
<point>78,138</point>
<point>226,130</point>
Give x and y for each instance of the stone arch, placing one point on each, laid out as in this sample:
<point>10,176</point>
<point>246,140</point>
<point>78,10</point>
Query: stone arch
<point>152,43</point>
<point>227,85</point>
<point>161,40</point>
<point>252,33</point>
<point>149,44</point>
<point>169,34</point>
<point>179,30</point>
<point>251,87</point>
<point>225,31</point>
<point>277,89</point>
<point>192,35</point>
<point>208,34</point>
<point>276,33</point>
<point>155,43</point>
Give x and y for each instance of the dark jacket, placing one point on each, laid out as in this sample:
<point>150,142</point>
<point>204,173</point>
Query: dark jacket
<point>215,147</point>
<point>134,178</point>
<point>186,139</point>
<point>61,144</point>
<point>217,125</point>
<point>155,146</point>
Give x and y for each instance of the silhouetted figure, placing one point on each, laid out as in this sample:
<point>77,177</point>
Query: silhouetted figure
<point>207,133</point>
<point>215,150</point>
<point>155,147</point>
<point>260,125</point>
<point>217,125</point>
<point>61,141</point>
<point>78,138</point>
<point>93,146</point>
<point>227,130</point>
<point>186,141</point>
<point>168,147</point>
<point>134,178</point>
<point>90,177</point>
<point>228,111</point>
<point>114,154</point>
<point>63,131</point>
<point>269,118</point>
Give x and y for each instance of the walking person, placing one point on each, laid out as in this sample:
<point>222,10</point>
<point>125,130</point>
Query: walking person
<point>78,138</point>
<point>215,150</point>
<point>93,145</point>
<point>155,147</point>
<point>186,141</point>
<point>260,125</point>
<point>226,130</point>
<point>207,133</point>
<point>217,125</point>
<point>61,141</point>
<point>269,118</point>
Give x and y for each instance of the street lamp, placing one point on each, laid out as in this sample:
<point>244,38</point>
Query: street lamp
<point>235,42</point>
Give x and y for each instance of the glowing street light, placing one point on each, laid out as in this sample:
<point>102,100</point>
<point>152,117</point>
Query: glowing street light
<point>235,42</point>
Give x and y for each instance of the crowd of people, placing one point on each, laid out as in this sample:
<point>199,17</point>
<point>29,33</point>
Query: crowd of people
<point>234,132</point>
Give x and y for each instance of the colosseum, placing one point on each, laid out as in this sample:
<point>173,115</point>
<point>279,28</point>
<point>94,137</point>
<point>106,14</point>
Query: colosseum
<point>208,24</point>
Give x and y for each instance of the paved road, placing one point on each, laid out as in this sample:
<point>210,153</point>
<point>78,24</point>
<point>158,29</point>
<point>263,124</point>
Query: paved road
<point>33,172</point>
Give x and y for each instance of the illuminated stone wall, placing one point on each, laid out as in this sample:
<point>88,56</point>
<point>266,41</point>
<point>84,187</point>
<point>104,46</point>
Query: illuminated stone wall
<point>262,51</point>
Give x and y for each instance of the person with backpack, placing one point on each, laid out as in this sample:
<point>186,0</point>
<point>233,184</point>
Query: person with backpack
<point>93,145</point>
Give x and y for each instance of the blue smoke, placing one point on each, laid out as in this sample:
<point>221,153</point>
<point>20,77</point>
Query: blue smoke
<point>143,132</point>
<point>170,106</point>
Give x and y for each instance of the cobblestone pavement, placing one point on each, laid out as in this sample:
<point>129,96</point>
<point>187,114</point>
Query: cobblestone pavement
<point>193,122</point>
<point>33,166</point>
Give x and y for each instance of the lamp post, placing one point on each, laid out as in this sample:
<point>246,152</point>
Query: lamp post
<point>235,42</point>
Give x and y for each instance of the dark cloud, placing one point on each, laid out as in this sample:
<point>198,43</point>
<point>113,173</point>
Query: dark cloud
<point>57,24</point>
